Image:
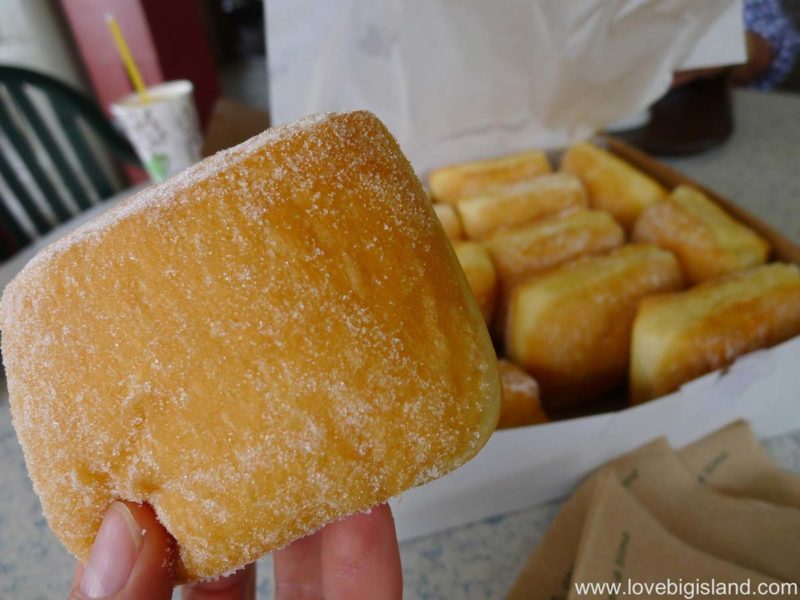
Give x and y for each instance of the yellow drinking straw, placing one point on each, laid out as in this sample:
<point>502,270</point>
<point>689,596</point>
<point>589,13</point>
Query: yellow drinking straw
<point>127,58</point>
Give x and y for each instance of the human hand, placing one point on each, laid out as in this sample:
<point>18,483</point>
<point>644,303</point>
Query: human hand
<point>353,558</point>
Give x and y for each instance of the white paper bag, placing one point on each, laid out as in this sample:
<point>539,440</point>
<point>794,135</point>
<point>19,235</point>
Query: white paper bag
<point>461,79</point>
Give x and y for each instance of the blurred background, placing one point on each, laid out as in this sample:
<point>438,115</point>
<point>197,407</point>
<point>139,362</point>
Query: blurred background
<point>60,151</point>
<point>218,44</point>
<point>53,165</point>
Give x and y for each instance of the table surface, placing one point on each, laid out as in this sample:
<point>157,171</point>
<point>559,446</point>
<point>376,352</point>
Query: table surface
<point>757,168</point>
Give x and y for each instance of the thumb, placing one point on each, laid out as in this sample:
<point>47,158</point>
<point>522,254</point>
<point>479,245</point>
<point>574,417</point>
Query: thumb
<point>130,558</point>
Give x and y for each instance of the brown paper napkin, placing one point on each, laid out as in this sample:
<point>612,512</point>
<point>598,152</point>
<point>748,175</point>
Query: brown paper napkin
<point>622,542</point>
<point>743,532</point>
<point>548,572</point>
<point>732,461</point>
<point>751,533</point>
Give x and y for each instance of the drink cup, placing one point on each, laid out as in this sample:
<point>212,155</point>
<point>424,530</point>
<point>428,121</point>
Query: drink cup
<point>164,131</point>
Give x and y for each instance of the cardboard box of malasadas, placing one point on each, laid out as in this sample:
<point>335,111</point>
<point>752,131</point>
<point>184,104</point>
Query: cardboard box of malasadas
<point>531,465</point>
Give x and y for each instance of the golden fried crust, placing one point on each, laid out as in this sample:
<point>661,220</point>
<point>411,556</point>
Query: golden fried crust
<point>520,203</point>
<point>570,327</point>
<point>481,275</point>
<point>677,337</point>
<point>451,222</point>
<point>276,338</point>
<point>613,185</point>
<point>705,239</point>
<point>521,404</point>
<point>452,183</point>
<point>521,252</point>
<point>528,249</point>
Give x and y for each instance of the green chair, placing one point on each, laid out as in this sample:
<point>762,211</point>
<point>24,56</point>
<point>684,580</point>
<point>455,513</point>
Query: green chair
<point>70,108</point>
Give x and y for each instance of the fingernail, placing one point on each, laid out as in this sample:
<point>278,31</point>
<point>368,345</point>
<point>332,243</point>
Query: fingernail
<point>113,554</point>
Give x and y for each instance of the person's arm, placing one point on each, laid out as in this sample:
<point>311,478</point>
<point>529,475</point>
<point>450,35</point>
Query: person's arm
<point>773,45</point>
<point>773,49</point>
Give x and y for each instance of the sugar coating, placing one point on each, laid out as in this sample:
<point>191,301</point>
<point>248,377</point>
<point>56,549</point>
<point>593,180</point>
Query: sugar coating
<point>532,248</point>
<point>273,339</point>
<point>519,382</point>
<point>521,405</point>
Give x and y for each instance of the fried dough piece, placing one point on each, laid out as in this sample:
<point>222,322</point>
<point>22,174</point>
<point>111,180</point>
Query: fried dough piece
<point>707,241</point>
<point>454,182</point>
<point>520,203</point>
<point>613,185</point>
<point>678,337</point>
<point>276,338</point>
<point>570,327</point>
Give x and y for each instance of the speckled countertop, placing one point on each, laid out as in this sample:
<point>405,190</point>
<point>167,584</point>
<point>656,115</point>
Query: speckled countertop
<point>759,168</point>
